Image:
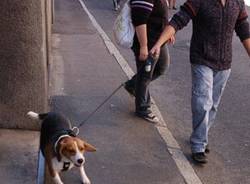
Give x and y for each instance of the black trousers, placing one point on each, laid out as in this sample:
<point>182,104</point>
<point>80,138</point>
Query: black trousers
<point>142,79</point>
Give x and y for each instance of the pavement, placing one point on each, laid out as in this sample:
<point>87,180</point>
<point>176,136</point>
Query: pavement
<point>229,139</point>
<point>86,69</point>
<point>130,150</point>
<point>18,156</point>
<point>84,73</point>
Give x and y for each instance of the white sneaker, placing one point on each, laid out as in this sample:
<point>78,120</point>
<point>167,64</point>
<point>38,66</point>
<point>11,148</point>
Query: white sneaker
<point>117,7</point>
<point>151,117</point>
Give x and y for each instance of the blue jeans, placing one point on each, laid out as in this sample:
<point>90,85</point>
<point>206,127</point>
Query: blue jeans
<point>207,88</point>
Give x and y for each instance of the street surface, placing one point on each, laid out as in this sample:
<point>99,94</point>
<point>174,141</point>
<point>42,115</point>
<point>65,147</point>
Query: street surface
<point>130,150</point>
<point>18,156</point>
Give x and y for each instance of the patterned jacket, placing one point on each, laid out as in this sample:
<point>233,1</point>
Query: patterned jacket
<point>213,28</point>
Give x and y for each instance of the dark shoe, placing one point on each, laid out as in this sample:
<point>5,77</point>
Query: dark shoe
<point>130,89</point>
<point>174,8</point>
<point>148,116</point>
<point>199,157</point>
<point>207,150</point>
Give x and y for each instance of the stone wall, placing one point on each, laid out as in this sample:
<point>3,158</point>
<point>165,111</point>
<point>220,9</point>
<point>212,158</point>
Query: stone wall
<point>24,54</point>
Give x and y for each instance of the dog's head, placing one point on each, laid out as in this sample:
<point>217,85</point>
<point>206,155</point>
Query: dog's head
<point>73,149</point>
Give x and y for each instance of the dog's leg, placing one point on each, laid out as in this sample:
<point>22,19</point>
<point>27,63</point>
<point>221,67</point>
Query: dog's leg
<point>53,173</point>
<point>57,179</point>
<point>84,177</point>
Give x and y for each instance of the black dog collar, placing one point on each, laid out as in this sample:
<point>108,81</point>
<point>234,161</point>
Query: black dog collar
<point>66,166</point>
<point>56,138</point>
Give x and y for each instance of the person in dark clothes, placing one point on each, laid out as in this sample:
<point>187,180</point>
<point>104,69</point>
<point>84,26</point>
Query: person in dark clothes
<point>214,22</point>
<point>149,18</point>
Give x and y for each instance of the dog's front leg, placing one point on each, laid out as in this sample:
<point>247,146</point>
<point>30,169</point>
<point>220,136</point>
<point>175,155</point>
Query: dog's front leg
<point>84,177</point>
<point>57,179</point>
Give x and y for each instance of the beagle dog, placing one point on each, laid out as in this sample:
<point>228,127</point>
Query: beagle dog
<point>60,146</point>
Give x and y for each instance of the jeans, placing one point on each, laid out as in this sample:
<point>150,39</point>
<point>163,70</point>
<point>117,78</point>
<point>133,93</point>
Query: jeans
<point>207,88</point>
<point>142,79</point>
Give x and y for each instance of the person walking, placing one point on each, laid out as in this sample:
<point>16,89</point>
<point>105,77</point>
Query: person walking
<point>149,18</point>
<point>214,22</point>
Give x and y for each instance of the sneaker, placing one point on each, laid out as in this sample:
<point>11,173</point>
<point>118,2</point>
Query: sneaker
<point>199,157</point>
<point>130,89</point>
<point>117,7</point>
<point>151,117</point>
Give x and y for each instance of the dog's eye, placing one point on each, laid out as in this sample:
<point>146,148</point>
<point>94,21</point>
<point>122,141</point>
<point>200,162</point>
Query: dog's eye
<point>72,151</point>
<point>81,148</point>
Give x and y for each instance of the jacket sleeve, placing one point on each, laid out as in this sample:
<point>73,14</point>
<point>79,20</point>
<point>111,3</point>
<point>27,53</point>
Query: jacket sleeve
<point>188,11</point>
<point>140,11</point>
<point>242,25</point>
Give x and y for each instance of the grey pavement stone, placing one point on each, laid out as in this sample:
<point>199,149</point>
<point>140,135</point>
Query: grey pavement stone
<point>130,150</point>
<point>18,156</point>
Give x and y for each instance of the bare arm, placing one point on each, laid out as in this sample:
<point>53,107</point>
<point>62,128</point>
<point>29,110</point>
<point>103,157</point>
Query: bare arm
<point>246,44</point>
<point>187,12</point>
<point>141,32</point>
<point>167,33</point>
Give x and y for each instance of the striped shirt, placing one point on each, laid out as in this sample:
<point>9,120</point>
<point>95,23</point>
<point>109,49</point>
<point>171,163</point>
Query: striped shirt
<point>213,28</point>
<point>147,6</point>
<point>153,13</point>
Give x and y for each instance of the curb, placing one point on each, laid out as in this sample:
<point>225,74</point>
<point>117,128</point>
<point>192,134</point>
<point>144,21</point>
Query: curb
<point>40,169</point>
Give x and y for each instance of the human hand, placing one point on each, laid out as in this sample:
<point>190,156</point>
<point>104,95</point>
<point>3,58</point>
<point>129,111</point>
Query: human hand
<point>143,53</point>
<point>155,51</point>
<point>171,40</point>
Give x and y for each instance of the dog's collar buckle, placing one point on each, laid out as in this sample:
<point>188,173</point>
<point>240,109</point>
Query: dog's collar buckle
<point>66,166</point>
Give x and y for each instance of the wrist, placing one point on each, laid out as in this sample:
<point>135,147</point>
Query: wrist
<point>143,46</point>
<point>158,44</point>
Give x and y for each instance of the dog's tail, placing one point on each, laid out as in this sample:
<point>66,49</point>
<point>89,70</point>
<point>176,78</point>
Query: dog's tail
<point>37,116</point>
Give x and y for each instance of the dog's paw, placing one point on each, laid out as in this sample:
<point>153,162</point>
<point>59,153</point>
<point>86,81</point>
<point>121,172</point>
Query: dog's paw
<point>58,182</point>
<point>86,182</point>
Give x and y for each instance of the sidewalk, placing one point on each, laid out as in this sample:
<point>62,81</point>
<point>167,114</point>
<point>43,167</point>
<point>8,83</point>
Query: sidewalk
<point>83,74</point>
<point>18,158</point>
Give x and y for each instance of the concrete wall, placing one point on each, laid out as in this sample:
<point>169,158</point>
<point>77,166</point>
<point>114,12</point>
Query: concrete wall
<point>24,54</point>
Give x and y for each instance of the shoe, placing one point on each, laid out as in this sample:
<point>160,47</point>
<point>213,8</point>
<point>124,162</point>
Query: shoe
<point>199,157</point>
<point>207,150</point>
<point>117,7</point>
<point>130,89</point>
<point>151,117</point>
<point>174,8</point>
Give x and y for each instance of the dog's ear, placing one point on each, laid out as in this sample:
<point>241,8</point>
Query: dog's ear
<point>89,147</point>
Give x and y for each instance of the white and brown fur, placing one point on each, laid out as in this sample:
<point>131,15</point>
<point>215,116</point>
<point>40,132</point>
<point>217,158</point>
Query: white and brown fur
<point>66,149</point>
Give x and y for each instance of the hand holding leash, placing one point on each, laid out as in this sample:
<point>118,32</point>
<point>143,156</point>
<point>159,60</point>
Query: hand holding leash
<point>155,52</point>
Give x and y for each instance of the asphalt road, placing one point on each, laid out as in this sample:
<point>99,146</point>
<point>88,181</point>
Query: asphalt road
<point>229,160</point>
<point>83,73</point>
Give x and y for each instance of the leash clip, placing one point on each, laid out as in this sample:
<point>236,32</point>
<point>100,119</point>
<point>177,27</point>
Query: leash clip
<point>75,130</point>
